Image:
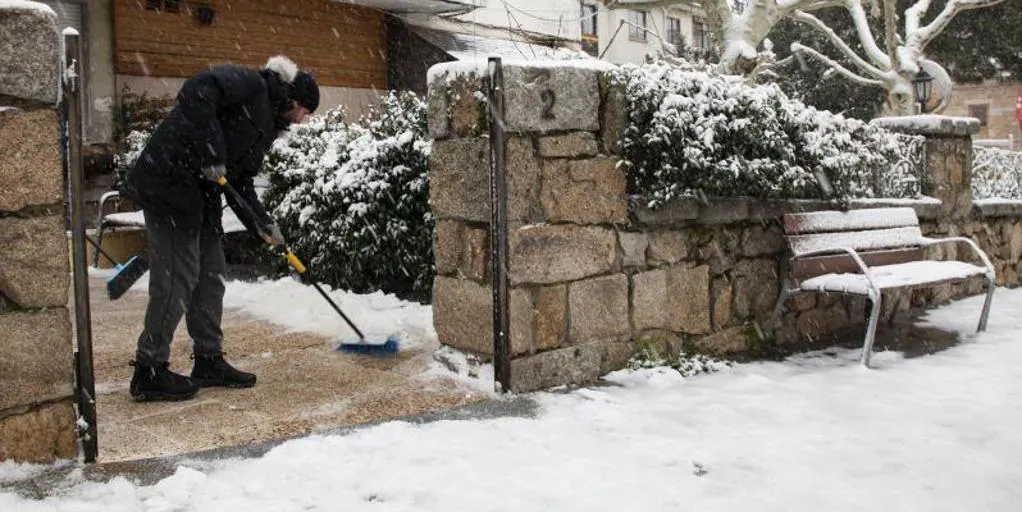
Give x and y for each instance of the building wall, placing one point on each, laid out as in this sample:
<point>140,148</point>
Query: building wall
<point>102,86</point>
<point>623,50</point>
<point>355,101</point>
<point>559,18</point>
<point>343,44</point>
<point>1000,101</point>
<point>93,20</point>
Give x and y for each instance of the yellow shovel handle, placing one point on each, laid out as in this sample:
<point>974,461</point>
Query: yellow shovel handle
<point>295,262</point>
<point>291,258</point>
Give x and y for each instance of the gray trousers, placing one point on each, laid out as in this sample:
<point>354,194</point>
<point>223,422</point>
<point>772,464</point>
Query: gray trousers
<point>185,268</point>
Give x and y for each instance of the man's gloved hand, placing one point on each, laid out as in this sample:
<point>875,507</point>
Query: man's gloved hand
<point>273,236</point>
<point>214,172</point>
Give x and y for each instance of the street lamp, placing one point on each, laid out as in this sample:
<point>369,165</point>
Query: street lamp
<point>923,86</point>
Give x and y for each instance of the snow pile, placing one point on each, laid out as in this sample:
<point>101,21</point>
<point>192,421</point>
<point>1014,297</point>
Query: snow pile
<point>690,132</point>
<point>299,307</point>
<point>353,198</point>
<point>996,174</point>
<point>817,432</point>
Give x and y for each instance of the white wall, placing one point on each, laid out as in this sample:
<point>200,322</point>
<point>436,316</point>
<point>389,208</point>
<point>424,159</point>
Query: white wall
<point>355,101</point>
<point>551,17</point>
<point>622,50</point>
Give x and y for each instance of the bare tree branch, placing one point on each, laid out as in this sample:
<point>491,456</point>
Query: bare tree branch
<point>924,35</point>
<point>873,51</point>
<point>800,48</point>
<point>818,24</point>
<point>891,32</point>
<point>640,5</point>
<point>806,5</point>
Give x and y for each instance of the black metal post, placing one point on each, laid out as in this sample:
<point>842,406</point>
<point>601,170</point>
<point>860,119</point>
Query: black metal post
<point>498,227</point>
<point>85,385</point>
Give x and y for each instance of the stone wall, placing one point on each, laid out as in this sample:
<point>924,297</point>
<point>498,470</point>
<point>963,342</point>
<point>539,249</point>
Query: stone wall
<point>594,273</point>
<point>37,417</point>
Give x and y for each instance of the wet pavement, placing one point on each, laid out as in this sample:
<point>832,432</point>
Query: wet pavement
<point>304,386</point>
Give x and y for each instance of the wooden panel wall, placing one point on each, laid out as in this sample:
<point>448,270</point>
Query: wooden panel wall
<point>344,45</point>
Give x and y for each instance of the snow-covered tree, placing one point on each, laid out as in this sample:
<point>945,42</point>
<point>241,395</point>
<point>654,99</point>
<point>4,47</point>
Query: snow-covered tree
<point>889,58</point>
<point>979,44</point>
<point>740,26</point>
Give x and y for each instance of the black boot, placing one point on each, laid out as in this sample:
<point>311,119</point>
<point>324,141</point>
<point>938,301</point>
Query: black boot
<point>152,383</point>
<point>212,370</point>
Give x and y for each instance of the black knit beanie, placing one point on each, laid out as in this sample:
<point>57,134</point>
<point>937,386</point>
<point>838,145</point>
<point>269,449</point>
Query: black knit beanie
<point>305,91</point>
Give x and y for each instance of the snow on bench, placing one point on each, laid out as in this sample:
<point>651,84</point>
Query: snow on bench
<point>863,252</point>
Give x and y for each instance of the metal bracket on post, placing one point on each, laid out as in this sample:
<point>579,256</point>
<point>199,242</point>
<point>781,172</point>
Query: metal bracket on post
<point>85,385</point>
<point>498,226</point>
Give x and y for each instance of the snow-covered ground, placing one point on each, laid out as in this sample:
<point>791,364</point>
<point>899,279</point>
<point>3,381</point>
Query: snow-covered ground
<point>817,432</point>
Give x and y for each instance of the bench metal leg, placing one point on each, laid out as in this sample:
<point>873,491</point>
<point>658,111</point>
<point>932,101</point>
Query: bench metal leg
<point>986,304</point>
<point>776,316</point>
<point>99,242</point>
<point>871,330</point>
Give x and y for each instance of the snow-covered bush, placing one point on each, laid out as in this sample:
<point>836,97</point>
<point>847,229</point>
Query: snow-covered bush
<point>353,198</point>
<point>692,133</point>
<point>131,147</point>
<point>996,173</point>
<point>653,354</point>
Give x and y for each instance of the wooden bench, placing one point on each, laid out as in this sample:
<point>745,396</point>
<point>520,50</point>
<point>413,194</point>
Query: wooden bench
<point>864,252</point>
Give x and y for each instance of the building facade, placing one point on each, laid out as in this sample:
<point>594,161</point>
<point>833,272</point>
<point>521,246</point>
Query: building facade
<point>995,105</point>
<point>152,46</point>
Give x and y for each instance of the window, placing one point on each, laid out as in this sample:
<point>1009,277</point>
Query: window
<point>588,20</point>
<point>981,112</point>
<point>701,35</point>
<point>590,41</point>
<point>163,5</point>
<point>637,26</point>
<point>674,32</point>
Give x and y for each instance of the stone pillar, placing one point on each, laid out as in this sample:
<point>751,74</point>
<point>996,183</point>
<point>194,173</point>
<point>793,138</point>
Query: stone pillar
<point>37,416</point>
<point>569,302</point>
<point>947,159</point>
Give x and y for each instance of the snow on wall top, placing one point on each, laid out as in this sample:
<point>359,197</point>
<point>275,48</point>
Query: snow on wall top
<point>929,125</point>
<point>452,71</point>
<point>26,5</point>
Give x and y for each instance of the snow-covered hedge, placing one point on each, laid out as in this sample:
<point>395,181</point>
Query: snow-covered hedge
<point>694,133</point>
<point>996,173</point>
<point>353,198</point>
<point>131,147</point>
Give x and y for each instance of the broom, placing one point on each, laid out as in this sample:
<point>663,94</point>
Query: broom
<point>126,274</point>
<point>388,346</point>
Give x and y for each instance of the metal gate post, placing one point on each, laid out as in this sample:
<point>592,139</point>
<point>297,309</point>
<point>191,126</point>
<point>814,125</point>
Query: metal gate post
<point>498,226</point>
<point>85,385</point>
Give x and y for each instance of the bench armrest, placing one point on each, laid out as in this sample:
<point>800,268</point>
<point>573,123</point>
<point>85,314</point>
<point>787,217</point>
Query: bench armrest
<point>926,242</point>
<point>103,199</point>
<point>874,290</point>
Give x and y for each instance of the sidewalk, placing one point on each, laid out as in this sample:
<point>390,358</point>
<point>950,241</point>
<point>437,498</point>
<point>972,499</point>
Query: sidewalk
<point>304,386</point>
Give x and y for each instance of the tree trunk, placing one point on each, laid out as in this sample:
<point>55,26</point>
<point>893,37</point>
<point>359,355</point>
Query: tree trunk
<point>744,33</point>
<point>901,98</point>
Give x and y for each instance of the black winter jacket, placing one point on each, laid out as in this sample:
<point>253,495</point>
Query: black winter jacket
<point>226,115</point>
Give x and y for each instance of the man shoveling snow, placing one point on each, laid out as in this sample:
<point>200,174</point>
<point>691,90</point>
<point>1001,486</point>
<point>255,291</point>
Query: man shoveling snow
<point>222,125</point>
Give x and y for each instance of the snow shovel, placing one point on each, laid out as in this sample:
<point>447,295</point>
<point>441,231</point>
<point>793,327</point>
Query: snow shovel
<point>360,346</point>
<point>126,274</point>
